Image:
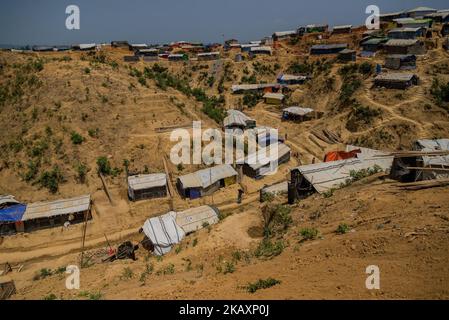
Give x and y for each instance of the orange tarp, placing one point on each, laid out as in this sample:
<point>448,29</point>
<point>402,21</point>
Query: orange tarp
<point>340,155</point>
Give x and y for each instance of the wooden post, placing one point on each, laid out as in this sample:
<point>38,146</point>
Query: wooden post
<point>105,188</point>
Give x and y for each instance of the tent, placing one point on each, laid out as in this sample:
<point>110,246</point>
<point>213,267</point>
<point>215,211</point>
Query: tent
<point>340,155</point>
<point>163,232</point>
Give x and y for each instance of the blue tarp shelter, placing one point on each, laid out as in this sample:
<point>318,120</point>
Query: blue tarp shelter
<point>12,214</point>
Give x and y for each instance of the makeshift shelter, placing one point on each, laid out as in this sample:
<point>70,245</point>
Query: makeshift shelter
<point>326,176</point>
<point>42,48</point>
<point>373,44</point>
<point>165,231</point>
<point>342,29</point>
<point>327,48</point>
<point>289,79</point>
<point>273,98</point>
<point>7,289</point>
<point>238,120</point>
<point>283,35</point>
<point>255,168</point>
<point>347,55</point>
<point>406,33</point>
<point>50,214</point>
<point>341,155</point>
<point>247,47</point>
<point>316,28</point>
<point>162,233</point>
<point>85,47</point>
<point>404,46</point>
<point>416,167</point>
<point>298,114</point>
<point>147,186</point>
<point>420,12</point>
<point>11,213</point>
<point>150,52</point>
<point>207,181</point>
<point>131,58</point>
<point>138,46</point>
<point>266,50</point>
<point>206,56</point>
<point>439,17</point>
<point>178,57</point>
<point>396,80</point>
<point>120,44</point>
<point>194,219</point>
<point>400,61</point>
<point>413,23</point>
<point>242,88</point>
<point>391,16</point>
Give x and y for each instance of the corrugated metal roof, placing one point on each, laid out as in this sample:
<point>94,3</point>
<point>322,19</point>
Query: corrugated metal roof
<point>330,175</point>
<point>194,219</point>
<point>256,86</point>
<point>147,181</point>
<point>418,9</point>
<point>288,77</point>
<point>329,46</point>
<point>261,48</point>
<point>404,29</point>
<point>343,27</point>
<point>56,208</point>
<point>374,41</point>
<point>395,76</point>
<point>428,145</point>
<point>236,117</point>
<point>254,162</point>
<point>298,110</point>
<point>5,199</point>
<point>206,177</point>
<point>284,33</point>
<point>205,54</point>
<point>400,42</point>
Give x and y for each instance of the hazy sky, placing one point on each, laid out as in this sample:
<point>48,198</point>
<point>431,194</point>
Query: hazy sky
<point>158,21</point>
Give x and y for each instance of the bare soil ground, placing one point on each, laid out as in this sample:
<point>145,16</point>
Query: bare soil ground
<point>404,233</point>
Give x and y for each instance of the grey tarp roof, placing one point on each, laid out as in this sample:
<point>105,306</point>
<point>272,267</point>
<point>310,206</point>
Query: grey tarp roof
<point>147,181</point>
<point>164,232</point>
<point>298,110</point>
<point>236,117</point>
<point>4,199</point>
<point>272,95</point>
<point>56,208</point>
<point>194,219</point>
<point>206,177</point>
<point>256,86</point>
<point>395,76</point>
<point>433,145</point>
<point>253,161</point>
<point>284,33</point>
<point>330,175</point>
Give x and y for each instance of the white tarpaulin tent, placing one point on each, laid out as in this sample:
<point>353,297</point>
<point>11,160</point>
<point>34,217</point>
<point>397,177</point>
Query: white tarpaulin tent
<point>331,175</point>
<point>442,161</point>
<point>169,229</point>
<point>164,232</point>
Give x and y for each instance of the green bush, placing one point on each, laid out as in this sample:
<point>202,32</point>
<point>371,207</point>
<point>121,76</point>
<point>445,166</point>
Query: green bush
<point>51,179</point>
<point>269,249</point>
<point>104,166</point>
<point>76,138</point>
<point>440,92</point>
<point>342,228</point>
<point>308,233</point>
<point>262,284</point>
